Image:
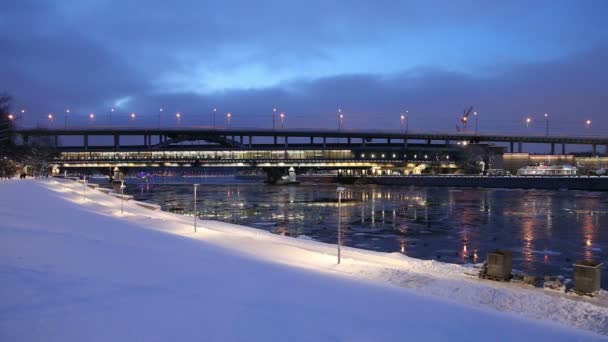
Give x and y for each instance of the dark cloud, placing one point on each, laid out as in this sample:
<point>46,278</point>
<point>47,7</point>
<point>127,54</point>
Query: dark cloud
<point>308,59</point>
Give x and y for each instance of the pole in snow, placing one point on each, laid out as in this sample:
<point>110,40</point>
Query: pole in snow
<point>340,190</point>
<point>195,213</point>
<point>84,188</point>
<point>122,197</point>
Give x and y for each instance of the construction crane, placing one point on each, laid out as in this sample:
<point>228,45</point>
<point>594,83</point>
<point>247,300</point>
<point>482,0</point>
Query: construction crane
<point>464,119</point>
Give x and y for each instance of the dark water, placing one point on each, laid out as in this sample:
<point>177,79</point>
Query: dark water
<point>547,230</point>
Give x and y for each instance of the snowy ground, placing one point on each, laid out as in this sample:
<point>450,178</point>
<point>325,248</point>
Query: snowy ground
<point>76,270</point>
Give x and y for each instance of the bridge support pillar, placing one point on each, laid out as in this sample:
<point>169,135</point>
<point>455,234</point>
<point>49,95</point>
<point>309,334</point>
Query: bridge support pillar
<point>428,141</point>
<point>404,143</point>
<point>250,141</point>
<point>511,147</point>
<point>286,142</point>
<point>519,147</point>
<point>388,141</point>
<point>447,142</point>
<point>594,148</point>
<point>348,141</point>
<point>563,148</point>
<point>275,139</point>
<point>116,141</point>
<point>145,140</point>
<point>241,139</point>
<point>312,140</point>
<point>552,148</point>
<point>56,141</point>
<point>363,142</point>
<point>86,142</point>
<point>324,142</point>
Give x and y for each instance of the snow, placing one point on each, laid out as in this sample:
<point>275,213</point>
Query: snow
<point>74,270</point>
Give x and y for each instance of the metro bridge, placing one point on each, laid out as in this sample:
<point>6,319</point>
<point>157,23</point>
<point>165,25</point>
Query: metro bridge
<point>248,138</point>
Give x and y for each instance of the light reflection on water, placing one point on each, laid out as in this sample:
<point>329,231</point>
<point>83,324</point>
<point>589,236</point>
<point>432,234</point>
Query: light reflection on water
<point>547,230</point>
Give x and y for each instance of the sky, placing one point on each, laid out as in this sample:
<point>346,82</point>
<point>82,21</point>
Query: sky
<point>374,60</point>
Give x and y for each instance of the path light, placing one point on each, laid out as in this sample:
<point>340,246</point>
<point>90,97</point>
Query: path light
<point>195,212</point>
<point>339,190</point>
<point>122,197</point>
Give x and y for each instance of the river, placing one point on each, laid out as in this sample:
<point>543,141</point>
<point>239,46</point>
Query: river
<point>547,230</point>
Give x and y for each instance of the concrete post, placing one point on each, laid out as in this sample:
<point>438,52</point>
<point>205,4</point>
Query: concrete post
<point>56,141</point>
<point>286,142</point>
<point>241,139</point>
<point>324,142</point>
<point>388,141</point>
<point>594,149</point>
<point>312,140</point>
<point>511,149</point>
<point>275,139</point>
<point>563,148</point>
<point>552,148</point>
<point>116,141</point>
<point>428,141</point>
<point>404,143</point>
<point>250,141</point>
<point>519,147</point>
<point>363,142</point>
<point>86,142</point>
<point>348,141</point>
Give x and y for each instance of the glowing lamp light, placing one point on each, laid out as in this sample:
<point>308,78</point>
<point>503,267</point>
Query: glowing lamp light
<point>11,117</point>
<point>178,115</point>
<point>50,116</point>
<point>133,115</point>
<point>92,116</point>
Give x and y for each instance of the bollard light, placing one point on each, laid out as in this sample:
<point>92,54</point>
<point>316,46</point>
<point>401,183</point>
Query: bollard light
<point>340,190</point>
<point>195,214</point>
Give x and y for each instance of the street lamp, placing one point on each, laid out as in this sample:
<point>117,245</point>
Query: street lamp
<point>339,190</point>
<point>195,211</point>
<point>528,120</point>
<point>547,124</point>
<point>178,117</point>
<point>50,116</point>
<point>133,116</point>
<point>160,112</point>
<point>282,120</point>
<point>588,123</point>
<point>214,110</point>
<point>91,118</point>
<point>122,197</point>
<point>476,122</point>
<point>67,112</point>
<point>402,123</point>
<point>229,118</point>
<point>11,117</point>
<point>340,118</point>
<point>110,115</point>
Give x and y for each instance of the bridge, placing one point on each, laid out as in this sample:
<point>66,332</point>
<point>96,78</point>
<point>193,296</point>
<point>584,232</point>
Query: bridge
<point>245,138</point>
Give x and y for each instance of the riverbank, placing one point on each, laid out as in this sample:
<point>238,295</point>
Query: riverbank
<point>77,269</point>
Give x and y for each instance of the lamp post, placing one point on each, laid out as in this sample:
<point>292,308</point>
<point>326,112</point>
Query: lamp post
<point>547,124</point>
<point>282,115</point>
<point>110,115</point>
<point>229,118</point>
<point>195,211</point>
<point>588,124</point>
<point>274,113</point>
<point>476,122</point>
<point>133,116</point>
<point>84,187</point>
<point>214,110</point>
<point>339,190</point>
<point>91,118</point>
<point>178,117</point>
<point>402,123</point>
<point>528,120</point>
<point>340,118</point>
<point>122,197</point>
<point>65,118</point>
<point>160,112</point>
<point>50,116</point>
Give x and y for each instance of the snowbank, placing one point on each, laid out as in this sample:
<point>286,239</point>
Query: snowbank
<point>74,269</point>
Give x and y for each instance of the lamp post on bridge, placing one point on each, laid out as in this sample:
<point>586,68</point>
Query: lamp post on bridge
<point>274,113</point>
<point>340,119</point>
<point>588,124</point>
<point>91,118</point>
<point>160,113</point>
<point>110,115</point>
<point>229,119</point>
<point>178,117</point>
<point>213,116</point>
<point>547,124</point>
<point>282,115</point>
<point>65,118</point>
<point>476,122</point>
<point>528,121</point>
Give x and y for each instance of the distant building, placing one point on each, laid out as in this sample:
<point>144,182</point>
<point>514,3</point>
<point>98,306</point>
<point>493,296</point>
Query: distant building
<point>544,170</point>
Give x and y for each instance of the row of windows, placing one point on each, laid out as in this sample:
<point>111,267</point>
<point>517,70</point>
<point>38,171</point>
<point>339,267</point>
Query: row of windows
<point>248,155</point>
